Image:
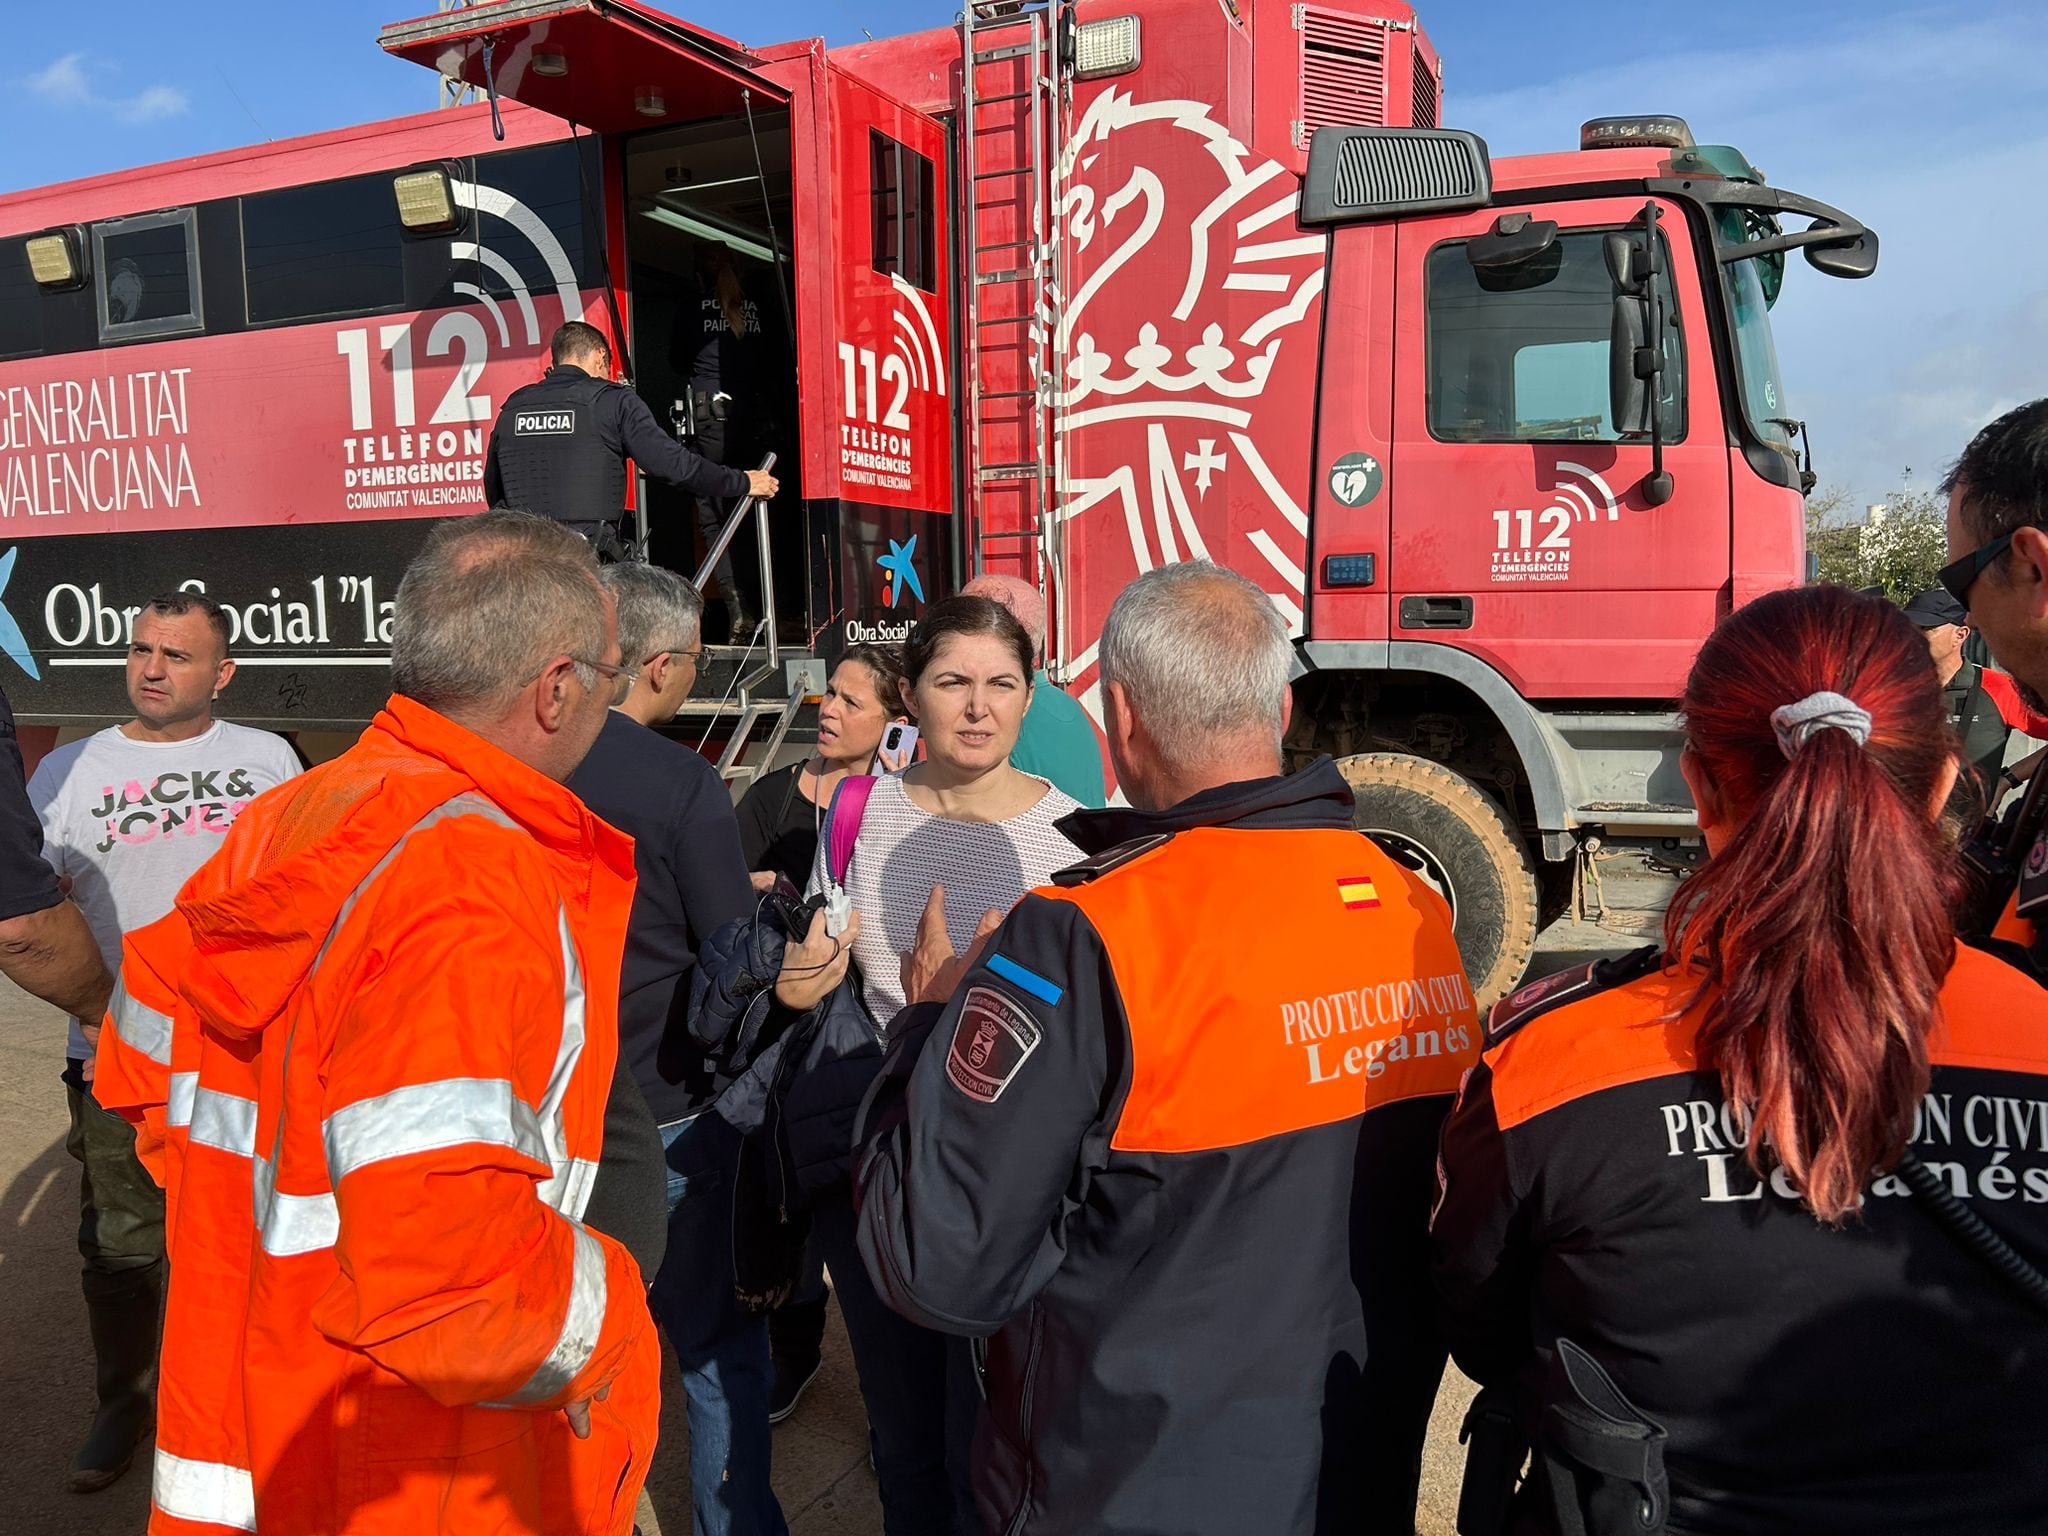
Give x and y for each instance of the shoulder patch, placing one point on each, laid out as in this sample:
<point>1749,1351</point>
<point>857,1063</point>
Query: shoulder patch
<point>1109,859</point>
<point>2032,896</point>
<point>991,1043</point>
<point>1553,992</point>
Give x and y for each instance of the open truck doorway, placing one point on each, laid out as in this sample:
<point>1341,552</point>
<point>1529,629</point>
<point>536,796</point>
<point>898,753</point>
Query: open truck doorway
<point>708,222</point>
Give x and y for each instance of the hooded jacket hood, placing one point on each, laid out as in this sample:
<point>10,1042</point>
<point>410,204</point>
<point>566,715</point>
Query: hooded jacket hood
<point>261,910</point>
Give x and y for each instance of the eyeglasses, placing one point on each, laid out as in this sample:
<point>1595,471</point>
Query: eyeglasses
<point>1959,576</point>
<point>622,678</point>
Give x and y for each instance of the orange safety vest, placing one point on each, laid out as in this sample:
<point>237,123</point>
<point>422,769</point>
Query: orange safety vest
<point>368,1055</point>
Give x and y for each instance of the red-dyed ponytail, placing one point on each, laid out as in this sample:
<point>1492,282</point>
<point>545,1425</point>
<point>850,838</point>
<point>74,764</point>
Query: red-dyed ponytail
<point>1825,922</point>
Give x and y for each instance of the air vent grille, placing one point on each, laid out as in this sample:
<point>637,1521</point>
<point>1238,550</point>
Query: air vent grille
<point>1429,91</point>
<point>1399,170</point>
<point>1343,71</point>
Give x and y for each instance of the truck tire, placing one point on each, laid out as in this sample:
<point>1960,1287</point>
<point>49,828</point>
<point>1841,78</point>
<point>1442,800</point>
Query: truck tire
<point>1468,853</point>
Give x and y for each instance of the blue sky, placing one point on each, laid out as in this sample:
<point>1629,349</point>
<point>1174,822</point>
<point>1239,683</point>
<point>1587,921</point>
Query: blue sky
<point>1926,121</point>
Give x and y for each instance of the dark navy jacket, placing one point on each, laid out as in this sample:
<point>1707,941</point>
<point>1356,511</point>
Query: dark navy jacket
<point>1170,1148</point>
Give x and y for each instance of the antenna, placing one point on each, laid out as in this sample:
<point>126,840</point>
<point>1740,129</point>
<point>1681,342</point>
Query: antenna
<point>453,90</point>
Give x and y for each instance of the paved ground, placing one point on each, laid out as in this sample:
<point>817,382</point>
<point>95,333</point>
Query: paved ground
<point>821,1470</point>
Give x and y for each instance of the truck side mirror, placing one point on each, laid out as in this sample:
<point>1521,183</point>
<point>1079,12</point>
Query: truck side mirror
<point>1620,252</point>
<point>1852,258</point>
<point>1628,392</point>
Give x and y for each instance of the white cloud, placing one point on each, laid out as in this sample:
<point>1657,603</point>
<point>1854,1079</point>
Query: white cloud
<point>65,82</point>
<point>1928,128</point>
<point>157,101</point>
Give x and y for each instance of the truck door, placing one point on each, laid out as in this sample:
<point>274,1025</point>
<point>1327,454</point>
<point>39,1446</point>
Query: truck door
<point>1520,530</point>
<point>876,311</point>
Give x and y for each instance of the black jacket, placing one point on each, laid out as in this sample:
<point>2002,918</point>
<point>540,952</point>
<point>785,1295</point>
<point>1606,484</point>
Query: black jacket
<point>1875,1377</point>
<point>1171,1146</point>
<point>692,881</point>
<point>559,448</point>
<point>797,1078</point>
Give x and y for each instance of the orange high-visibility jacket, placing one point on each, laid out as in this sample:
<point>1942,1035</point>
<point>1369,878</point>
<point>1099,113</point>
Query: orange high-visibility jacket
<point>368,1055</point>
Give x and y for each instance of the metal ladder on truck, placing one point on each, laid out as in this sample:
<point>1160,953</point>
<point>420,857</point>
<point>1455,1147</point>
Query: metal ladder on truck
<point>1012,101</point>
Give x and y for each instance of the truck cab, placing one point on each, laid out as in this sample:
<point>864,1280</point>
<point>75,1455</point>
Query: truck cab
<point>1555,451</point>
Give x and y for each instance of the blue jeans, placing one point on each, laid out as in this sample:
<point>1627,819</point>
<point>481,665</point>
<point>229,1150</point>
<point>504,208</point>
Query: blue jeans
<point>722,1349</point>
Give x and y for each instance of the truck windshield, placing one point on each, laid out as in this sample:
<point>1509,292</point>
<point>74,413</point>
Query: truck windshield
<point>1756,354</point>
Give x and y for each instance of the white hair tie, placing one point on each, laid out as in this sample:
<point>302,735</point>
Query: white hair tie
<point>1796,724</point>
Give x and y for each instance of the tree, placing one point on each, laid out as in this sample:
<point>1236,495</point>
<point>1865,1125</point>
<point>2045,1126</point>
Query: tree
<point>1904,550</point>
<point>1832,543</point>
<point>1900,548</point>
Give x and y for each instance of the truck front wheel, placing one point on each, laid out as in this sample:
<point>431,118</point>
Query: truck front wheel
<point>1467,852</point>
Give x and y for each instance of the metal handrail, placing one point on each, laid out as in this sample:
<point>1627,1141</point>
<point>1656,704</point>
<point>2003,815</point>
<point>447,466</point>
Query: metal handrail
<point>725,534</point>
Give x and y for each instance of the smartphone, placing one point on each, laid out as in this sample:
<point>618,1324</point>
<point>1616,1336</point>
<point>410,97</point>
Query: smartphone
<point>899,741</point>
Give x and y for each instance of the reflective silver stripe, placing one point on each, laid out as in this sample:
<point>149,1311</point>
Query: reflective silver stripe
<point>465,804</point>
<point>424,1117</point>
<point>225,1121</point>
<point>295,1224</point>
<point>568,1188</point>
<point>140,1027</point>
<point>581,1325</point>
<point>564,1189</point>
<point>292,1224</point>
<point>206,1492</point>
<point>184,1085</point>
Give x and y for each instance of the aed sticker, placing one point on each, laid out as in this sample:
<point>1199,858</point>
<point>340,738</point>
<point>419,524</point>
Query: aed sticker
<point>991,1043</point>
<point>1356,478</point>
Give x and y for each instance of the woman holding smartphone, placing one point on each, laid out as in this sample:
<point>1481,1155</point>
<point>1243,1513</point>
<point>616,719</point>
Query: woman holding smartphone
<point>781,813</point>
<point>779,820</point>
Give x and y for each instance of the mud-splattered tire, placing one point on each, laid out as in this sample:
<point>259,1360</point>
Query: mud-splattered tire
<point>1469,852</point>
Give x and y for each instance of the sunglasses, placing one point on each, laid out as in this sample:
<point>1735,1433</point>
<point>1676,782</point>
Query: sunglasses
<point>1959,576</point>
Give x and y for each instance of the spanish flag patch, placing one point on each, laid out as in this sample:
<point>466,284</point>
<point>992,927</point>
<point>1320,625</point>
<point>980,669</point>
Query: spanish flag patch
<point>1357,892</point>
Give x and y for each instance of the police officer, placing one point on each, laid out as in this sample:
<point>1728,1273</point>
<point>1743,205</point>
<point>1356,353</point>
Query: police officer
<point>1170,1142</point>
<point>1998,540</point>
<point>720,349</point>
<point>560,446</point>
<point>1973,713</point>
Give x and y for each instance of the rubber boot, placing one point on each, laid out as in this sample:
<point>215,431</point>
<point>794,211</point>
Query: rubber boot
<point>124,1344</point>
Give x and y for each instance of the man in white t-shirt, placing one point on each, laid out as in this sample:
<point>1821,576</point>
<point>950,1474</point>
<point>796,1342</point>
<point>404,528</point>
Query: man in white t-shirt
<point>128,815</point>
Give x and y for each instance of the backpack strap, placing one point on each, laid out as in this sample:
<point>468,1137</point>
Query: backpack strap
<point>842,823</point>
<point>1540,997</point>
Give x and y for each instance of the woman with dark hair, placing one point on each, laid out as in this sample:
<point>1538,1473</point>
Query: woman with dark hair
<point>779,821</point>
<point>780,815</point>
<point>963,822</point>
<point>1701,1227</point>
<point>956,839</point>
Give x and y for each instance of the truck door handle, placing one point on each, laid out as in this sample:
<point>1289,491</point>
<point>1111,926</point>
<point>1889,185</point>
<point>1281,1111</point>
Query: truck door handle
<point>1436,613</point>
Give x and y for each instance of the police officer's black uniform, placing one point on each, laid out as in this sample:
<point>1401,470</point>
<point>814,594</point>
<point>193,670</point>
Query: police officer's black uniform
<point>1974,717</point>
<point>1973,714</point>
<point>559,448</point>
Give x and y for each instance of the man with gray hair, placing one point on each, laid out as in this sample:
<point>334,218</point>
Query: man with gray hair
<point>371,1048</point>
<point>693,880</point>
<point>1056,742</point>
<point>1171,1146</point>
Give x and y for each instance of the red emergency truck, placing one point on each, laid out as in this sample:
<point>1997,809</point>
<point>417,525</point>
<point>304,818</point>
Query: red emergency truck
<point>1070,290</point>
